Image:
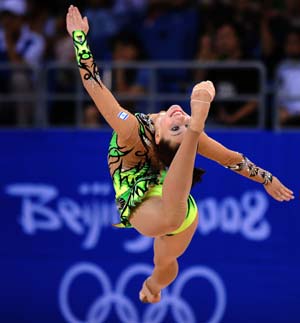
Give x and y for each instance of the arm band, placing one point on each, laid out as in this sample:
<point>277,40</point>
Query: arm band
<point>252,170</point>
<point>83,55</point>
<point>81,46</point>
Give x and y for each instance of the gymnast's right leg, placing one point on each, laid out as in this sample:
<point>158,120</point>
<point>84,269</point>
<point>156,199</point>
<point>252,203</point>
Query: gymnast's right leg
<point>158,216</point>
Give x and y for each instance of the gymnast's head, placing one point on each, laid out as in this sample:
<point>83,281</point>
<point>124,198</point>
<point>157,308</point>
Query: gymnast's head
<point>170,126</point>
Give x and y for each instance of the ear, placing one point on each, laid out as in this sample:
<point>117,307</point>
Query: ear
<point>157,137</point>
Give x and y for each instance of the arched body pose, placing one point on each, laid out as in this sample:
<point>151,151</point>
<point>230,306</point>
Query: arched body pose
<point>151,160</point>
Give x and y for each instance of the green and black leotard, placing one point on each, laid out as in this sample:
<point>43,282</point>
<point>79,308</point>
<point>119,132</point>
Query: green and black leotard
<point>137,173</point>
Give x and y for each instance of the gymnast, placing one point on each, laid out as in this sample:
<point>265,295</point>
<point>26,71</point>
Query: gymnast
<point>151,161</point>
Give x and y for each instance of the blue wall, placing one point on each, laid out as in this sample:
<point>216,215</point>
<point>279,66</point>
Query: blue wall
<point>62,261</point>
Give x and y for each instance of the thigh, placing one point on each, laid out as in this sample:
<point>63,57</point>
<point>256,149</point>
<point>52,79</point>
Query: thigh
<point>149,219</point>
<point>168,248</point>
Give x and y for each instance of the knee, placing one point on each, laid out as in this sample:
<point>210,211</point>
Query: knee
<point>173,224</point>
<point>166,261</point>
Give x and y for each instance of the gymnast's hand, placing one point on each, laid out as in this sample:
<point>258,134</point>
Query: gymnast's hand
<point>278,191</point>
<point>75,21</point>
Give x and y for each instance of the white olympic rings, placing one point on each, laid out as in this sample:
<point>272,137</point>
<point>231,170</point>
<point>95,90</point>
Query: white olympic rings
<point>126,309</point>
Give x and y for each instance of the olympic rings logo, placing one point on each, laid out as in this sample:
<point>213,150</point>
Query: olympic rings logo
<point>126,309</point>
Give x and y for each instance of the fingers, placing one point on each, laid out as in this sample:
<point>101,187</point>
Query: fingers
<point>283,194</point>
<point>71,9</point>
<point>86,22</point>
<point>70,15</point>
<point>69,23</point>
<point>74,13</point>
<point>278,198</point>
<point>287,190</point>
<point>77,14</point>
<point>286,194</point>
<point>278,191</point>
<point>75,21</point>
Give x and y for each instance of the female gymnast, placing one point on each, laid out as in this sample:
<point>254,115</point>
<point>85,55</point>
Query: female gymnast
<point>151,161</point>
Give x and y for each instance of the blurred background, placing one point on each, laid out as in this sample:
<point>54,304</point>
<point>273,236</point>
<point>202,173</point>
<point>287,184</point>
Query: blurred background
<point>151,53</point>
<point>61,259</point>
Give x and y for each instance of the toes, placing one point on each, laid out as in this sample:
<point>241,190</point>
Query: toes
<point>146,296</point>
<point>143,298</point>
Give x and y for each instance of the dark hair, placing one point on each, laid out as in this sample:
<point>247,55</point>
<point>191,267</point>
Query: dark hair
<point>166,153</point>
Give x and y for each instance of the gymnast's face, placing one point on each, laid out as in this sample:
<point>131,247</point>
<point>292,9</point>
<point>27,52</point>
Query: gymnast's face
<point>171,125</point>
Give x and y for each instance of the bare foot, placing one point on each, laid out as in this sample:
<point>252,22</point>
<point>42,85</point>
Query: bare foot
<point>202,95</point>
<point>146,296</point>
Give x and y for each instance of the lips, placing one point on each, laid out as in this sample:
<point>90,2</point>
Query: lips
<point>176,111</point>
<point>177,114</point>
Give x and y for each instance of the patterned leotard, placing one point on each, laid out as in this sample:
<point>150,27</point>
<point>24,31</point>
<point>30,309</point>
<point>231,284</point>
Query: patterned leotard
<point>137,173</point>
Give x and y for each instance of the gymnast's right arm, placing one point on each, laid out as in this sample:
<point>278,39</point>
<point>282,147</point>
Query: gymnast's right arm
<point>118,118</point>
<point>240,164</point>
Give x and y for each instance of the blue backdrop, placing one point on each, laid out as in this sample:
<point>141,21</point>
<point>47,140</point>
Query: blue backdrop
<point>62,261</point>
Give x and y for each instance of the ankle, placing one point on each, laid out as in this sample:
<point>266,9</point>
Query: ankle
<point>153,286</point>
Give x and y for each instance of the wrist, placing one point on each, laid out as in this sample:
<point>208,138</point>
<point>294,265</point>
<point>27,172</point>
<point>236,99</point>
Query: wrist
<point>252,171</point>
<point>82,49</point>
<point>268,178</point>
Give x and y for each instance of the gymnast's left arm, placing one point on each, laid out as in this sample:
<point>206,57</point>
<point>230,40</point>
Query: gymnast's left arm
<point>240,164</point>
<point>106,103</point>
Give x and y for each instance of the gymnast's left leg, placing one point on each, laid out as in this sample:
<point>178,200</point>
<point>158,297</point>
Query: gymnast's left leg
<point>166,251</point>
